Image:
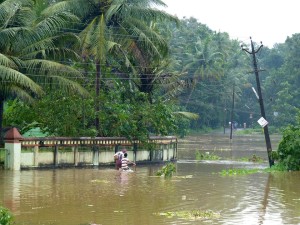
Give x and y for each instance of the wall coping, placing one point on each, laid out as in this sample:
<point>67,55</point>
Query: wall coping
<point>13,136</point>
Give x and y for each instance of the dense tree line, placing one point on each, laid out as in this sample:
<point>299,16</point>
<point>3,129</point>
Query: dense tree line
<point>124,68</point>
<point>215,67</point>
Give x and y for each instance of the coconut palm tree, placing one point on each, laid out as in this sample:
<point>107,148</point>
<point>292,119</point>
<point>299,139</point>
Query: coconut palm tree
<point>30,50</point>
<point>146,48</point>
<point>120,34</point>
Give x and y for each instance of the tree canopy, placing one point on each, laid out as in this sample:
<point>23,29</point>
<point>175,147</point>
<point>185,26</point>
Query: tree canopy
<point>125,68</point>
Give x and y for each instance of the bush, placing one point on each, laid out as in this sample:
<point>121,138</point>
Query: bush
<point>289,148</point>
<point>167,170</point>
<point>5,216</point>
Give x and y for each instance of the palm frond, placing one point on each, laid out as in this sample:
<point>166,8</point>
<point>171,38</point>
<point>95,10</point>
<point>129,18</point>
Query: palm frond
<point>14,13</point>
<point>188,115</point>
<point>7,62</point>
<point>15,91</point>
<point>52,25</point>
<point>9,76</point>
<point>66,85</point>
<point>42,66</point>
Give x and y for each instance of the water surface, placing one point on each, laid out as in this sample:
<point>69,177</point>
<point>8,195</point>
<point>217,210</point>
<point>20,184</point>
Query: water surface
<point>106,196</point>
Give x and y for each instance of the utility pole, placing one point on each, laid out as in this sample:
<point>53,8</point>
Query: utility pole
<point>231,115</point>
<point>260,99</point>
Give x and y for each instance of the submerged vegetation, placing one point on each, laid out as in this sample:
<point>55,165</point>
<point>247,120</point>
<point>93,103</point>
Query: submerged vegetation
<point>234,172</point>
<point>200,155</point>
<point>253,158</point>
<point>206,156</point>
<point>6,217</point>
<point>191,215</point>
<point>246,171</point>
<point>167,170</point>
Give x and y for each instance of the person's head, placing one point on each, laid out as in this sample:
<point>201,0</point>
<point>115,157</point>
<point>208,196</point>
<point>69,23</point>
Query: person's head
<point>125,155</point>
<point>124,150</point>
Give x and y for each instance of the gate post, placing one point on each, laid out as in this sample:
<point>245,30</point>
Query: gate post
<point>13,149</point>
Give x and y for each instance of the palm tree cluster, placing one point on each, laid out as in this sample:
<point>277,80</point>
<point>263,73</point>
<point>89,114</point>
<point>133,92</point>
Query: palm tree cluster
<point>31,46</point>
<point>41,41</point>
<point>128,68</point>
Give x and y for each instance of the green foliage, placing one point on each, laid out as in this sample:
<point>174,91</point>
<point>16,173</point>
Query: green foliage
<point>143,81</point>
<point>282,81</point>
<point>277,167</point>
<point>206,156</point>
<point>134,116</point>
<point>6,217</point>
<point>235,171</point>
<point>55,113</point>
<point>182,126</point>
<point>289,148</point>
<point>71,115</point>
<point>274,155</point>
<point>167,170</point>
<point>2,157</point>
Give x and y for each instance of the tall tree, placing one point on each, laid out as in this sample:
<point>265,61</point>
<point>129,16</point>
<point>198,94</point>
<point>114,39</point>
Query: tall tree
<point>31,48</point>
<point>120,34</point>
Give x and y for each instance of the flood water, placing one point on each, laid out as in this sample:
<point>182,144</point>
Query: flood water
<point>105,196</point>
<point>239,146</point>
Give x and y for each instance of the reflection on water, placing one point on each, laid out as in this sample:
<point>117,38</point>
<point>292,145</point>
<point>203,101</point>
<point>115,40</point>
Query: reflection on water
<point>106,196</point>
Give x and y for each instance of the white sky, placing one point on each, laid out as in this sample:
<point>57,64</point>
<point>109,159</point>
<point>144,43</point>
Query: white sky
<point>269,21</point>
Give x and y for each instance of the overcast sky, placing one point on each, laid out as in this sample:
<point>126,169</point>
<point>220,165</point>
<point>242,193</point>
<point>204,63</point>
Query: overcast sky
<point>269,21</point>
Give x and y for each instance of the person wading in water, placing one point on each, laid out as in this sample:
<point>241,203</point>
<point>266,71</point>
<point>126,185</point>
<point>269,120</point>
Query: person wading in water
<point>125,162</point>
<point>118,157</point>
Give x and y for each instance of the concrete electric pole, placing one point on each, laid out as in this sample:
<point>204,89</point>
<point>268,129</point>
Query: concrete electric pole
<point>260,99</point>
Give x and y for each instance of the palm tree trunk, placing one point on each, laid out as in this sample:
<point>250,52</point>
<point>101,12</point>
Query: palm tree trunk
<point>97,102</point>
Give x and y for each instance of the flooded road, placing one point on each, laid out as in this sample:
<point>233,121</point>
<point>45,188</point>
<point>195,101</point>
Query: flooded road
<point>238,147</point>
<point>107,197</point>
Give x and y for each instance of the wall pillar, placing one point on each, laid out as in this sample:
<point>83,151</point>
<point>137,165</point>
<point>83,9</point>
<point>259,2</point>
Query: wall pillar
<point>55,156</point>
<point>36,155</point>
<point>12,145</point>
<point>96,155</point>
<point>76,155</point>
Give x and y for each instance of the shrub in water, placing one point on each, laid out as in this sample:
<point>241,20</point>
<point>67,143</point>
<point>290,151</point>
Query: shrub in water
<point>289,148</point>
<point>5,216</point>
<point>167,170</point>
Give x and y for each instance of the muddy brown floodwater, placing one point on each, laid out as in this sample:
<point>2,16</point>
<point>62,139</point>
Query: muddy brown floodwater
<point>105,196</point>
